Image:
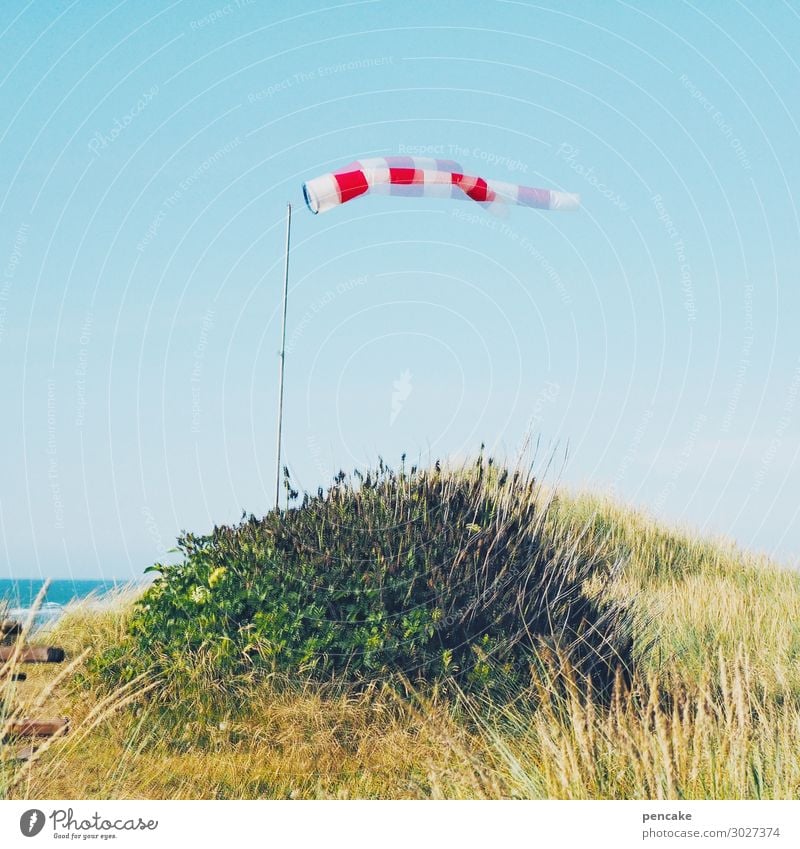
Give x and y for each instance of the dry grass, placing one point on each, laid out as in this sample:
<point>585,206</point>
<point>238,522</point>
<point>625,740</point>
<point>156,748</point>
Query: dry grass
<point>713,710</point>
<point>723,740</point>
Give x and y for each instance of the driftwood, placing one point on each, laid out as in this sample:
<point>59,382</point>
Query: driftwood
<point>32,654</point>
<point>38,727</point>
<point>31,728</point>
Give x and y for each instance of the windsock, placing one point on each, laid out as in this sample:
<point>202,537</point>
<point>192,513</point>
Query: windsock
<point>412,176</point>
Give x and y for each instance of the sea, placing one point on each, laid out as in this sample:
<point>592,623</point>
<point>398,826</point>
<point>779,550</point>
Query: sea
<point>17,597</point>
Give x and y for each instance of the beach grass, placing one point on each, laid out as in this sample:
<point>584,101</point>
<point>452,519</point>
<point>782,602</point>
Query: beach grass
<point>712,710</point>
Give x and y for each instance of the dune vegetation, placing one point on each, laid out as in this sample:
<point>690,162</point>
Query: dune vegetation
<point>429,633</point>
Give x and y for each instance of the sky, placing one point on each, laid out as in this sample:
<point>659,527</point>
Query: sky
<point>148,150</point>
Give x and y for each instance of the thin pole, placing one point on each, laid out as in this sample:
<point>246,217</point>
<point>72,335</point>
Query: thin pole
<point>282,356</point>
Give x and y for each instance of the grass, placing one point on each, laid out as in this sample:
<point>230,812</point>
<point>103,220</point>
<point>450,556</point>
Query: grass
<point>712,710</point>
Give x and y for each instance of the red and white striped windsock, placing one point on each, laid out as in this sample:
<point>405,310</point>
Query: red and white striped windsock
<point>422,177</point>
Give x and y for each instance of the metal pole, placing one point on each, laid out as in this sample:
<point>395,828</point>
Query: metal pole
<point>282,356</point>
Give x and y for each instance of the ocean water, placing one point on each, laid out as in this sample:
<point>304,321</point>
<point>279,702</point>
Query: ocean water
<point>17,597</point>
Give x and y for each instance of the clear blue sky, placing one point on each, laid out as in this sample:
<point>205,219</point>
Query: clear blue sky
<point>148,152</point>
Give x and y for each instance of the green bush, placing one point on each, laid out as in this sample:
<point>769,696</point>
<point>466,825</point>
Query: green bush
<point>425,573</point>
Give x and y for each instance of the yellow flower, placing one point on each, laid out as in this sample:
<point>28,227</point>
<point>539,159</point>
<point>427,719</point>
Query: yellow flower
<point>216,576</point>
<point>200,595</point>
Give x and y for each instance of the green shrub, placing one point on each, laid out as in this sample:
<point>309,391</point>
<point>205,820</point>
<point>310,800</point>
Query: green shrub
<point>426,573</point>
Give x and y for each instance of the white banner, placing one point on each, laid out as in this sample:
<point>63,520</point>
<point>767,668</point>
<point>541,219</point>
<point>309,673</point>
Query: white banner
<point>404,825</point>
